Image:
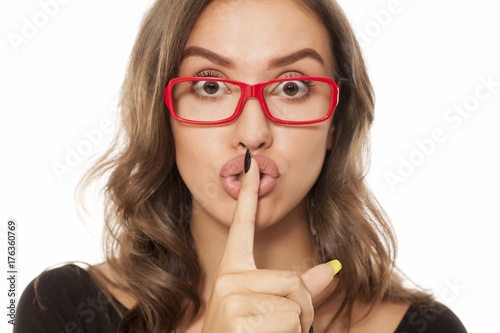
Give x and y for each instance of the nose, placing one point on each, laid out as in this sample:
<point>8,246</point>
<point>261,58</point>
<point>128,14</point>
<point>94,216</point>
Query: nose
<point>252,127</point>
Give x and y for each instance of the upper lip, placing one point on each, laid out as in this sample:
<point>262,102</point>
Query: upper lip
<point>235,166</point>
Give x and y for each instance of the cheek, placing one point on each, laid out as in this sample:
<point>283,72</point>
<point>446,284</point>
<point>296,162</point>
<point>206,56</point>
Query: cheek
<point>187,152</point>
<point>310,160</point>
<point>194,151</point>
<point>305,151</point>
<point>308,142</point>
<point>191,144</point>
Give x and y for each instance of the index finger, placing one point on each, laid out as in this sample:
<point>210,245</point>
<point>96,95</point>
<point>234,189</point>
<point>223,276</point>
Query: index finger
<point>238,253</point>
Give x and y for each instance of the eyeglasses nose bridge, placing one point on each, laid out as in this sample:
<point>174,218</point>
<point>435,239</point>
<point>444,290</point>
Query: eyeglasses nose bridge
<point>250,91</point>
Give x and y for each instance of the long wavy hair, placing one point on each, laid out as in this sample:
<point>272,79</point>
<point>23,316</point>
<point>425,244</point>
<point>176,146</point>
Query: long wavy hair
<point>147,238</point>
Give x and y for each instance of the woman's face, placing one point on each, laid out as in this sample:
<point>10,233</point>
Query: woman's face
<point>242,41</point>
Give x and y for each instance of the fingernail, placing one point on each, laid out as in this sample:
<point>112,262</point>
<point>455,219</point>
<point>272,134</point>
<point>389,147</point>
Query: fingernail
<point>311,329</point>
<point>248,159</point>
<point>337,266</point>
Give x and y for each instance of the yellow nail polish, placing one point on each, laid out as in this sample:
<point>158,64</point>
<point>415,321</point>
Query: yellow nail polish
<point>337,266</point>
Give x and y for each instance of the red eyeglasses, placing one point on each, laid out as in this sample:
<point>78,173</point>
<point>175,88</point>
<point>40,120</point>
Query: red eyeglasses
<point>212,101</point>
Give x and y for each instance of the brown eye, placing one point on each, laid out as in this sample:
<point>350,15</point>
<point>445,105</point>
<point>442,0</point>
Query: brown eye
<point>211,87</point>
<point>291,89</point>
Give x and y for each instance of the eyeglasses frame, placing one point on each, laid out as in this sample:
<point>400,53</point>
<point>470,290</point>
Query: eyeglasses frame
<point>248,91</point>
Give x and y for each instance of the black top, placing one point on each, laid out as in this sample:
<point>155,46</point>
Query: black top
<point>76,305</point>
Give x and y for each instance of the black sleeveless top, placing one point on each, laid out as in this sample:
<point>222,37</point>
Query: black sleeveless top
<point>74,304</point>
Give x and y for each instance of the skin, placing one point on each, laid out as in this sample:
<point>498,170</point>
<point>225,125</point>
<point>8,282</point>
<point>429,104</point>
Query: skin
<point>259,250</point>
<point>298,151</point>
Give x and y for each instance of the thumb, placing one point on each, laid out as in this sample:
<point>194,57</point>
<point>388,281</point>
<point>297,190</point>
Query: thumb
<point>319,277</point>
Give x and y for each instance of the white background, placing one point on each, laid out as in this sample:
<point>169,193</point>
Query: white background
<point>425,58</point>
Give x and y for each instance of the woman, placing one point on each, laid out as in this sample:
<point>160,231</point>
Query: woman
<point>222,207</point>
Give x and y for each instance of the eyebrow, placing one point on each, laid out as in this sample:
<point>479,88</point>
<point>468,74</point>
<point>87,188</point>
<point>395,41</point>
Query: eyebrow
<point>278,62</point>
<point>213,57</point>
<point>296,56</point>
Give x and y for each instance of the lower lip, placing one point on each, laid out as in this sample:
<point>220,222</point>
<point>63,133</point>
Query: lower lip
<point>232,185</point>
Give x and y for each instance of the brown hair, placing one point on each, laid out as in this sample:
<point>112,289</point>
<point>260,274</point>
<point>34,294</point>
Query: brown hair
<point>148,207</point>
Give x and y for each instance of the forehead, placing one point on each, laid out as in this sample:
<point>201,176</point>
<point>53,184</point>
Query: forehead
<point>250,32</point>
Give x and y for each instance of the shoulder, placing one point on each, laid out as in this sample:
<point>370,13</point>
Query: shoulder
<point>63,299</point>
<point>432,318</point>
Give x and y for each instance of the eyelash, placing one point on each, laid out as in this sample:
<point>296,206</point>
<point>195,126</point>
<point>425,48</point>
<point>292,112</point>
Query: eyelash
<point>207,73</point>
<point>309,83</point>
<point>293,74</point>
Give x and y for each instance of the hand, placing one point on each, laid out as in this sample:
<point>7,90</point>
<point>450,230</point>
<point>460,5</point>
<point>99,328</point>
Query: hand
<point>247,299</point>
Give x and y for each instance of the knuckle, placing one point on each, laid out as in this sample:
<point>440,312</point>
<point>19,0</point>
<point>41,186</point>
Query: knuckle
<point>230,305</point>
<point>296,307</point>
<point>294,280</point>
<point>288,304</point>
<point>223,282</point>
<point>264,306</point>
<point>290,319</point>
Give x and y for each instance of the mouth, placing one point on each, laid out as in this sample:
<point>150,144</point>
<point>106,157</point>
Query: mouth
<point>240,176</point>
<point>232,172</point>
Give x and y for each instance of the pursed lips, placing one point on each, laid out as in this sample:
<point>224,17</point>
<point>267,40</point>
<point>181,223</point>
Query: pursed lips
<point>231,172</point>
